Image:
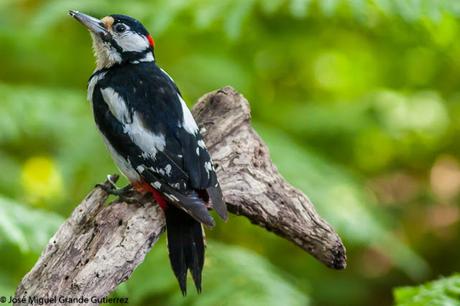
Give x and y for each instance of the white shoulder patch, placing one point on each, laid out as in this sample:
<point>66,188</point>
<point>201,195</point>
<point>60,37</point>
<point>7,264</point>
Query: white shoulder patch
<point>149,142</point>
<point>188,123</point>
<point>117,104</point>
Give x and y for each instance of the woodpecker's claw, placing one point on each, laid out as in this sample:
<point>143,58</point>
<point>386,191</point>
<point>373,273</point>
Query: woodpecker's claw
<point>112,179</point>
<point>112,188</point>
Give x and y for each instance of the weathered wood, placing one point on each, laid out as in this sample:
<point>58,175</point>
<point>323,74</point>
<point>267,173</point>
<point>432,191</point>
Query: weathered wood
<point>99,246</point>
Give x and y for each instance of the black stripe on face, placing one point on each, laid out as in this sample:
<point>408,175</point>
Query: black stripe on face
<point>129,56</point>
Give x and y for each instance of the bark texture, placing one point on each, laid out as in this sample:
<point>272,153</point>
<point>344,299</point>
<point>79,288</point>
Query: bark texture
<point>100,245</point>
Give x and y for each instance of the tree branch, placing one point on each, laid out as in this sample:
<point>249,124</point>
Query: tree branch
<point>99,246</point>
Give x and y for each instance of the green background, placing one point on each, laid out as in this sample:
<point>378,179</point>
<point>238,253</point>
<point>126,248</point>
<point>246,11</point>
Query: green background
<point>358,101</point>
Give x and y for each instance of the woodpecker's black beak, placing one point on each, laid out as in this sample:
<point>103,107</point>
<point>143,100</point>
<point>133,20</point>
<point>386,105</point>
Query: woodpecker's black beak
<point>95,25</point>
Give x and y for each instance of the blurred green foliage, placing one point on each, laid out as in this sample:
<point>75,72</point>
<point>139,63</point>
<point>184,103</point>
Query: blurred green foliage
<point>445,291</point>
<point>249,280</point>
<point>358,101</point>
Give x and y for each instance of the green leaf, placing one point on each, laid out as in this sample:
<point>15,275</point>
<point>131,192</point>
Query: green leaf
<point>442,292</point>
<point>27,228</point>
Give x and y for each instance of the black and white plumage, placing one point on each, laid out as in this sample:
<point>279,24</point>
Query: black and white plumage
<point>152,136</point>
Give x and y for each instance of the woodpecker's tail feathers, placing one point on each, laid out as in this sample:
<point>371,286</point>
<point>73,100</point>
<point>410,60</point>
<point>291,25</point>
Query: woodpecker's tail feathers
<point>185,246</point>
<point>189,201</point>
<point>215,193</point>
<point>192,203</point>
<point>196,207</point>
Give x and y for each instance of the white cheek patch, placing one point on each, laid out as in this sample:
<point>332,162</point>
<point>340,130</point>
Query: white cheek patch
<point>132,42</point>
<point>188,123</point>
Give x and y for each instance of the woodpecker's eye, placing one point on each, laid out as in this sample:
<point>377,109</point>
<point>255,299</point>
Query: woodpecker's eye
<point>120,28</point>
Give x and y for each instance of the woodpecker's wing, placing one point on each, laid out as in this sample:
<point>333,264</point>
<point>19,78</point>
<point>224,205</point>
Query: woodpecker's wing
<point>143,117</point>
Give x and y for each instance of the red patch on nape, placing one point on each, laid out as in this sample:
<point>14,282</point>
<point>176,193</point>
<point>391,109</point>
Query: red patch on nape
<point>145,187</point>
<point>151,41</point>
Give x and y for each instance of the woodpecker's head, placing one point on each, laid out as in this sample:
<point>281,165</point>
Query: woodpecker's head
<point>117,39</point>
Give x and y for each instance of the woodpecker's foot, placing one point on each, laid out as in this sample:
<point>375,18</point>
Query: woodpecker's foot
<point>125,194</point>
<point>113,189</point>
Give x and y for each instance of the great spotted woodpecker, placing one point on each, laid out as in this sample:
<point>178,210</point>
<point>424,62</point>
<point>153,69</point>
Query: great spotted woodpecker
<point>153,137</point>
